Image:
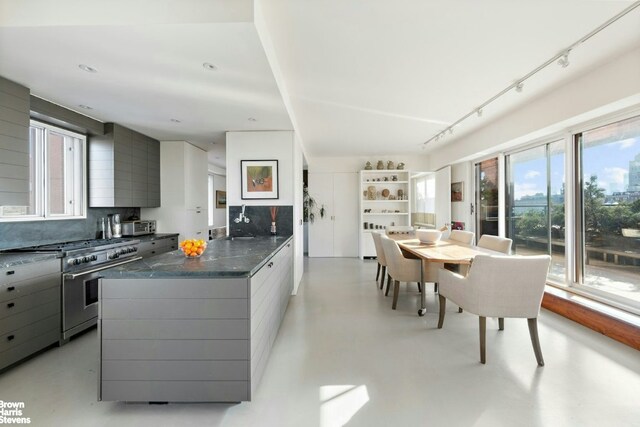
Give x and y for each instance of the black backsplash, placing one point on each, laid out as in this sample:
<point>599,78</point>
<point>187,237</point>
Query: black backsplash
<point>260,221</point>
<point>30,233</point>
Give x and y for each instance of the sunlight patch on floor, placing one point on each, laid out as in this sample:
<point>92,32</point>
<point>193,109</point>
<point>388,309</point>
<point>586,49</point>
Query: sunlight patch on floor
<point>339,403</point>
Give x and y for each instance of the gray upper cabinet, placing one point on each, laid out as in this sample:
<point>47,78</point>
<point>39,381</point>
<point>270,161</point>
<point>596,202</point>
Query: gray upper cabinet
<point>124,169</point>
<point>14,144</point>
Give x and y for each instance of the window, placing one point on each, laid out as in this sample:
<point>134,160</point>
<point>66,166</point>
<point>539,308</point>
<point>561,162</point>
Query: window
<point>424,193</point>
<point>487,195</point>
<point>56,176</point>
<point>535,204</point>
<point>609,212</point>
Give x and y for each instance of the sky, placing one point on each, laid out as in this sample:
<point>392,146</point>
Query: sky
<point>609,162</point>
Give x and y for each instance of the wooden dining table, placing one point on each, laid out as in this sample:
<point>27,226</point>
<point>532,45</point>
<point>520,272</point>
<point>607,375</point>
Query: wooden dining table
<point>443,251</point>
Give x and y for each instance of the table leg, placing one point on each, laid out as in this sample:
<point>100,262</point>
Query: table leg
<point>423,299</point>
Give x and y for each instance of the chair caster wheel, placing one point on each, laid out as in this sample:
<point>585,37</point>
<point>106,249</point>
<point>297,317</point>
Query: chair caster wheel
<point>422,312</point>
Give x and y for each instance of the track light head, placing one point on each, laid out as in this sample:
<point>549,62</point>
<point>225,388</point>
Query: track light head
<point>479,112</point>
<point>564,60</point>
<point>519,87</point>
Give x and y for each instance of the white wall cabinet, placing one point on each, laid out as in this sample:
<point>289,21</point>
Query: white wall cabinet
<point>183,191</point>
<point>335,235</point>
<point>384,201</point>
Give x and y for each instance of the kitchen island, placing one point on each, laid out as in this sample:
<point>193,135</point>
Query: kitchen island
<point>176,329</point>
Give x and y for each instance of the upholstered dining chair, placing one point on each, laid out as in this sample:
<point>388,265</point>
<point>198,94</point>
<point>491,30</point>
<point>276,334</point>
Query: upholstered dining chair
<point>495,243</point>
<point>400,268</point>
<point>382,261</point>
<point>461,236</point>
<point>498,286</point>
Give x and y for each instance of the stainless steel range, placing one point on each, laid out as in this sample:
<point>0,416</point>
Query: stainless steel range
<point>81,263</point>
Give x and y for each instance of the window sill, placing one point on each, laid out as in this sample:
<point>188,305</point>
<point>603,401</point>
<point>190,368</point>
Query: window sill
<point>617,324</point>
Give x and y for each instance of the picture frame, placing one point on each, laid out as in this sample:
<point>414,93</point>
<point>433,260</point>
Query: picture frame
<point>456,191</point>
<point>221,199</point>
<point>259,179</point>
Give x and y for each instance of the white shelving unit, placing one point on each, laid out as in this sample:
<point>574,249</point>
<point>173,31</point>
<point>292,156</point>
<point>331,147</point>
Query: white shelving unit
<point>378,210</point>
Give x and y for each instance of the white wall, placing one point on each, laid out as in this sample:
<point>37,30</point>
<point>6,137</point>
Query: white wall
<point>285,147</point>
<point>262,145</point>
<point>609,88</point>
<point>298,228</point>
<point>354,164</point>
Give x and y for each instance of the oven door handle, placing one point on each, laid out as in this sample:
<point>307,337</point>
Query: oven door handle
<point>69,276</point>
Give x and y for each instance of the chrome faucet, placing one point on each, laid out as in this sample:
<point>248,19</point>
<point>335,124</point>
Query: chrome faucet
<point>242,217</point>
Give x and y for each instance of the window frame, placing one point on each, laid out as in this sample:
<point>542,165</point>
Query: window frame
<point>39,149</point>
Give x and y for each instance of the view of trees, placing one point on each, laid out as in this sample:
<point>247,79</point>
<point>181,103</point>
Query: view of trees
<point>600,219</point>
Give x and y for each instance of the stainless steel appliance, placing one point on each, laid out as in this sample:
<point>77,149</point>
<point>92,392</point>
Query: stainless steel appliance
<point>139,227</point>
<point>82,262</point>
<point>116,229</point>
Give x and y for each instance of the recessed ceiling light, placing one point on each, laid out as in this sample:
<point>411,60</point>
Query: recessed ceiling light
<point>209,66</point>
<point>88,69</point>
<point>176,121</point>
<point>86,107</point>
<point>251,119</point>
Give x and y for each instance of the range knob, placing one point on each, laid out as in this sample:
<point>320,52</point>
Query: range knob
<point>86,259</point>
<point>77,261</point>
<point>94,257</point>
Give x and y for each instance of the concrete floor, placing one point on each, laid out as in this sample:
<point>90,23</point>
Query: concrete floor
<point>343,357</point>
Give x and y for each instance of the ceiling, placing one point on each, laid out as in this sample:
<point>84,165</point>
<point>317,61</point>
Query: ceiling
<point>375,77</point>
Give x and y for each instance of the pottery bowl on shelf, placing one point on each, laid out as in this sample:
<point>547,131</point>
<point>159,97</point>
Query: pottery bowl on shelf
<point>429,237</point>
<point>193,248</point>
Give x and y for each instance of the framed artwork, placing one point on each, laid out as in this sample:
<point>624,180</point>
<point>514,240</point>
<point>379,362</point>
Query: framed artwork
<point>259,179</point>
<point>221,199</point>
<point>457,225</point>
<point>456,191</point>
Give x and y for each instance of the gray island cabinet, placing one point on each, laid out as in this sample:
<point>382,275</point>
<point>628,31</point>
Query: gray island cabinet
<point>193,330</point>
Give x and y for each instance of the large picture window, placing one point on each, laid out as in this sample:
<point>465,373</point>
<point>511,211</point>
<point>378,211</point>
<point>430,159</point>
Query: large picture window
<point>56,176</point>
<point>609,178</point>
<point>535,204</point>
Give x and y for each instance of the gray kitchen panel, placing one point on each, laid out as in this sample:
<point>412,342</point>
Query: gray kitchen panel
<point>175,370</point>
<point>174,309</point>
<point>175,391</point>
<point>28,317</point>
<point>175,349</point>
<point>174,288</point>
<point>29,347</point>
<point>17,336</point>
<point>205,329</point>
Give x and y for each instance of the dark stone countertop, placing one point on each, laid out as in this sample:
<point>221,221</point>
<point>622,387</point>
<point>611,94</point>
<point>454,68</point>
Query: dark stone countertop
<point>13,259</point>
<point>151,237</point>
<point>223,258</point>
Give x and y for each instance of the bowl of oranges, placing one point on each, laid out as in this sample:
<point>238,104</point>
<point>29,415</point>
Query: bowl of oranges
<point>193,248</point>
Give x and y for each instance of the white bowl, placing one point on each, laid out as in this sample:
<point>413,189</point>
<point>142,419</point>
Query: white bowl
<point>428,236</point>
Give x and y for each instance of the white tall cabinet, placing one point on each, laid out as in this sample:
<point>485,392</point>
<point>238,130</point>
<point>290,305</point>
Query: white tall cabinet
<point>336,234</point>
<point>384,201</point>
<point>183,191</point>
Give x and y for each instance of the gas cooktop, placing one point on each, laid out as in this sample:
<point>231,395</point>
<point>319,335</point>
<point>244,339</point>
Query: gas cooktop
<point>78,244</point>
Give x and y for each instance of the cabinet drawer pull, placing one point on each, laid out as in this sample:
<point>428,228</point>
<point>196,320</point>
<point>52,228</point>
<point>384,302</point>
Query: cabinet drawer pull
<point>270,265</point>
<point>289,245</point>
<point>153,243</point>
<point>10,305</point>
<point>11,288</point>
<point>10,337</point>
<point>10,272</point>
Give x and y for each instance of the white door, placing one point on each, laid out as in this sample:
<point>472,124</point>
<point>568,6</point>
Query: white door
<point>345,213</point>
<point>321,230</point>
<point>443,197</point>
